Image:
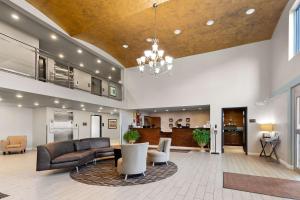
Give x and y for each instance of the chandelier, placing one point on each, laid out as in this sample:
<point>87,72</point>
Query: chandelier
<point>154,59</point>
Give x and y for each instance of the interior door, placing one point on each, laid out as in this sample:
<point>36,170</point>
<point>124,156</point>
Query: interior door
<point>96,128</point>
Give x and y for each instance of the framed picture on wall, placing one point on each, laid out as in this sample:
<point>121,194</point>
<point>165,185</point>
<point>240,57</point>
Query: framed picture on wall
<point>170,119</point>
<point>112,91</point>
<point>112,124</point>
<point>188,120</point>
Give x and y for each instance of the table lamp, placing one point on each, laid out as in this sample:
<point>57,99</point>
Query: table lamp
<point>266,129</point>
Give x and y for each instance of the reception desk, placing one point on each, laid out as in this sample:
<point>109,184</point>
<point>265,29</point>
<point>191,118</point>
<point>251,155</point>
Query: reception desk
<point>150,135</point>
<point>180,136</point>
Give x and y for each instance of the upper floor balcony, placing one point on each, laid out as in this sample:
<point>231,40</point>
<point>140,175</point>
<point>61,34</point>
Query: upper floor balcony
<point>21,58</point>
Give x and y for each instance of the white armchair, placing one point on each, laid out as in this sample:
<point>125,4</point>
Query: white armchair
<point>162,154</point>
<point>134,159</point>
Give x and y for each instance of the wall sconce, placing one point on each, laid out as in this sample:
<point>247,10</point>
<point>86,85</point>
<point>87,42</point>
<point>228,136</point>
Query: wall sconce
<point>266,129</point>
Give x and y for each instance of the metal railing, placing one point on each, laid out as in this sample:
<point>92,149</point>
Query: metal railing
<point>25,59</point>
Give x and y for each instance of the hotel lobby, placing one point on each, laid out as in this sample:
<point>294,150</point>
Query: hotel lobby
<point>164,99</point>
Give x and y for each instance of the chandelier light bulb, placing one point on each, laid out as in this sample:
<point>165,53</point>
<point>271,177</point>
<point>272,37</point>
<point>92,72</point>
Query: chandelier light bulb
<point>147,53</point>
<point>153,56</point>
<point>170,67</point>
<point>162,62</point>
<point>139,61</point>
<point>157,70</point>
<point>154,47</point>
<point>141,68</point>
<point>151,63</point>
<point>169,59</point>
<point>161,53</point>
<point>143,59</point>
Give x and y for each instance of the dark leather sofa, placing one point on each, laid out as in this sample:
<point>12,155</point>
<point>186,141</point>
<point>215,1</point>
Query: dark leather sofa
<point>70,154</point>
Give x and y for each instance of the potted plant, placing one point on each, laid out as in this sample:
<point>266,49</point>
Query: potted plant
<point>131,136</point>
<point>201,136</point>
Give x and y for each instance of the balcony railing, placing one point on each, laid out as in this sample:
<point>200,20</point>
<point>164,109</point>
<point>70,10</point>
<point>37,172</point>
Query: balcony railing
<point>20,58</point>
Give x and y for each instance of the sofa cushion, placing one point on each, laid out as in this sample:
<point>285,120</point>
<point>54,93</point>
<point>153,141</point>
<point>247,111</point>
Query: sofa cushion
<point>70,157</point>
<point>103,150</point>
<point>99,142</point>
<point>13,146</point>
<point>82,145</point>
<point>59,148</point>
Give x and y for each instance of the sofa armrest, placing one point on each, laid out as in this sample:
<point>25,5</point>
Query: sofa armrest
<point>3,144</point>
<point>24,143</point>
<point>43,161</point>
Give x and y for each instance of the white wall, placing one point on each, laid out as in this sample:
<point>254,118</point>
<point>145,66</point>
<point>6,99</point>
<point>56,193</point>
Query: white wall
<point>233,77</point>
<point>197,118</point>
<point>15,56</point>
<point>283,70</point>
<point>16,121</point>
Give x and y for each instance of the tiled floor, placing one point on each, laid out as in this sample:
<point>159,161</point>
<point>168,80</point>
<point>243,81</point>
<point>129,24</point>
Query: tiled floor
<point>199,177</point>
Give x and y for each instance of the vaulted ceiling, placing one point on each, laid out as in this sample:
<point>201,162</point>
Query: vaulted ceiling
<point>109,24</point>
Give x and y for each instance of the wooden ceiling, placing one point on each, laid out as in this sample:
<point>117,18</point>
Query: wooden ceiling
<point>109,24</point>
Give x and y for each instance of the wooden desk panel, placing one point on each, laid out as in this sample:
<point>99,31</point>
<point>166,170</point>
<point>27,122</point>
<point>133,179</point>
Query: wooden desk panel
<point>150,135</point>
<point>183,137</point>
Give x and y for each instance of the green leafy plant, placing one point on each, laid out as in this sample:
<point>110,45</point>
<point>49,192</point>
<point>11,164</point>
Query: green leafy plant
<point>201,136</point>
<point>131,135</point>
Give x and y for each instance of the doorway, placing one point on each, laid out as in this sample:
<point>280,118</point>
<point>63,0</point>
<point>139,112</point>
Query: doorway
<point>234,130</point>
<point>296,124</point>
<point>96,128</point>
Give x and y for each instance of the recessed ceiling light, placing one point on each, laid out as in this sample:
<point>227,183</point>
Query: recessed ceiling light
<point>113,69</point>
<point>81,64</point>
<point>63,107</point>
<point>120,81</point>
<point>36,104</point>
<point>97,71</point>
<point>1,99</point>
<point>149,39</point>
<point>81,105</point>
<point>15,16</point>
<point>56,101</point>
<point>79,51</point>
<point>19,105</point>
<point>115,110</point>
<point>53,37</point>
<point>99,111</point>
<point>250,11</point>
<point>210,22</point>
<point>19,96</point>
<point>61,55</point>
<point>177,31</point>
<point>100,108</point>
<point>99,61</point>
<point>83,109</point>
<point>109,77</point>
<point>125,46</point>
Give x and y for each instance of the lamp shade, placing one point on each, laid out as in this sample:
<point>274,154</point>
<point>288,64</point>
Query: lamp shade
<point>266,127</point>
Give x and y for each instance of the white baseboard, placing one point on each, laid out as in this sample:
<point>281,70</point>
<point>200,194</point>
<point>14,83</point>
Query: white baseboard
<point>284,163</point>
<point>287,165</point>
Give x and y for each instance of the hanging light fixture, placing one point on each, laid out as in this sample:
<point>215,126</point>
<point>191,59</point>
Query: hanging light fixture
<point>154,59</point>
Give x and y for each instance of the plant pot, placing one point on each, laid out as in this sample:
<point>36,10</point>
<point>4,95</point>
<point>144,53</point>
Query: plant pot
<point>202,145</point>
<point>131,141</point>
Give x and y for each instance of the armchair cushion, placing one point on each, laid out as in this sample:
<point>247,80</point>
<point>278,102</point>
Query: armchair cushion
<point>13,146</point>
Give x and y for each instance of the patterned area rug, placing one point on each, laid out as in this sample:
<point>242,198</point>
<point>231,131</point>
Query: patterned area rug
<point>105,173</point>
<point>3,195</point>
